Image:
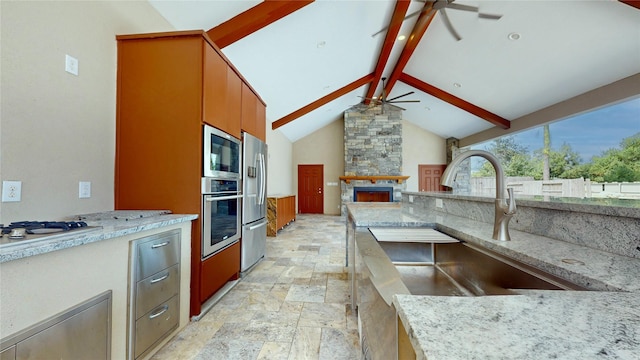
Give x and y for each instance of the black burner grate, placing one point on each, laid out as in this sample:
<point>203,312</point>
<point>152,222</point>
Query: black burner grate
<point>30,226</point>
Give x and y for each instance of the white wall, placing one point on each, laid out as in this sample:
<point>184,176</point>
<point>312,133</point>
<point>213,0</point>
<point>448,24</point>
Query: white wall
<point>420,147</point>
<point>280,157</point>
<point>57,128</point>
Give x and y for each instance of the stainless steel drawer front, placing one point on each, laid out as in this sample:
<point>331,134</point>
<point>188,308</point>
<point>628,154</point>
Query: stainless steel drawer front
<point>157,253</point>
<point>80,332</point>
<point>153,325</point>
<point>157,288</point>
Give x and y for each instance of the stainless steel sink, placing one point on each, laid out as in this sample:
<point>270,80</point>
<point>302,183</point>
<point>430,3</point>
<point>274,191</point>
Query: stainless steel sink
<point>462,269</point>
<point>407,264</point>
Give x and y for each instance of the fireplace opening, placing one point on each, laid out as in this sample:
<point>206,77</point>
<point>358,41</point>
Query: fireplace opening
<point>373,194</point>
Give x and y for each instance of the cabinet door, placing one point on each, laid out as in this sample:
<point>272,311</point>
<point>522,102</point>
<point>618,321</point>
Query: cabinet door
<point>261,121</point>
<point>85,335</point>
<point>214,89</point>
<point>249,101</point>
<point>234,103</point>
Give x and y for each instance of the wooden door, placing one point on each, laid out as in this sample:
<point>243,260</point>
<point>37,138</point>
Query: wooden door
<point>429,177</point>
<point>310,189</point>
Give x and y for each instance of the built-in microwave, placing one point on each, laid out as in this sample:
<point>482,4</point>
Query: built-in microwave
<point>221,154</point>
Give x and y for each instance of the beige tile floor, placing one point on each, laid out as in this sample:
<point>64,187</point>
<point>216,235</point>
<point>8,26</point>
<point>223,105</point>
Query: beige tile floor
<point>292,305</point>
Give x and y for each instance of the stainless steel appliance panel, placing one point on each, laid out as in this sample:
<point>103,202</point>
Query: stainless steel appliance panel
<point>153,326</point>
<point>255,179</point>
<point>221,215</point>
<point>157,253</point>
<point>254,201</point>
<point>157,288</point>
<point>221,154</point>
<point>254,245</point>
<point>88,324</point>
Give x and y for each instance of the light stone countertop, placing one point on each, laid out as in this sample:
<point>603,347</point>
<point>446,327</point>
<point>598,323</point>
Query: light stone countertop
<point>109,225</point>
<point>540,324</point>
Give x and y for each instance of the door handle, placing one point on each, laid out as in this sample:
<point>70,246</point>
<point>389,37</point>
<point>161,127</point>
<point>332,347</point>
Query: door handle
<point>160,312</point>
<point>153,281</point>
<point>258,225</point>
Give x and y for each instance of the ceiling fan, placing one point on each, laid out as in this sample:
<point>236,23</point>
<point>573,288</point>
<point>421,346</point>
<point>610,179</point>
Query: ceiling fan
<point>441,6</point>
<point>382,100</point>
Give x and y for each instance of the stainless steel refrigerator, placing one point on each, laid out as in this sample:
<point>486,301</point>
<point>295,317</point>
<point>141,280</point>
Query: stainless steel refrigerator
<point>254,201</point>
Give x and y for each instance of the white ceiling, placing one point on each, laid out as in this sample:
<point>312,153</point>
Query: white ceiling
<point>566,48</point>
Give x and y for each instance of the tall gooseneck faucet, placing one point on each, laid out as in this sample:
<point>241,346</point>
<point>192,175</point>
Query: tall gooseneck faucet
<point>503,211</point>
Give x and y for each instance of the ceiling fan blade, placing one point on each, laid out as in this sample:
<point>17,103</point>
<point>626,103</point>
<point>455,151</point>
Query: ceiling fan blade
<point>405,18</point>
<point>489,16</point>
<point>462,7</point>
<point>448,24</point>
<point>397,97</point>
<point>403,101</point>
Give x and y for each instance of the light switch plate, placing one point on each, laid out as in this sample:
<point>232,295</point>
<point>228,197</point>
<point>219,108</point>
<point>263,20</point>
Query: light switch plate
<point>84,189</point>
<point>11,191</point>
<point>71,65</point>
<point>439,203</point>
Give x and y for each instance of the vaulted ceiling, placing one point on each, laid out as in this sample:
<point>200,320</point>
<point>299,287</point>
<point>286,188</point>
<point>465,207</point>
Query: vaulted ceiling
<point>311,60</point>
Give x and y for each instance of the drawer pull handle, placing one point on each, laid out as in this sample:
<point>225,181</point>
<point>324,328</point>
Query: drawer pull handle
<point>155,246</point>
<point>159,279</point>
<point>162,311</point>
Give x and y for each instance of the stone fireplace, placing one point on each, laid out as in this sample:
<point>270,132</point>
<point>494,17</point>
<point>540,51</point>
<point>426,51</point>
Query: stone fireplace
<point>373,154</point>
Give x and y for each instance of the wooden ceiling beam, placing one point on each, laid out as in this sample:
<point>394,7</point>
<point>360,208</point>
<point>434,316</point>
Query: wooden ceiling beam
<point>399,12</point>
<point>634,3</point>
<point>322,101</point>
<point>423,22</point>
<point>455,101</point>
<point>252,20</point>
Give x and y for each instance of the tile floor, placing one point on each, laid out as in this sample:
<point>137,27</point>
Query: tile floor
<point>292,305</point>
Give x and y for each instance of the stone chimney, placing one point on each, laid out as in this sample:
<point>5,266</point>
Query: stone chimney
<point>372,147</point>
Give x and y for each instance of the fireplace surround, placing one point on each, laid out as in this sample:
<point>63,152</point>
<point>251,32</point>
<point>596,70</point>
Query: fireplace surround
<point>372,154</point>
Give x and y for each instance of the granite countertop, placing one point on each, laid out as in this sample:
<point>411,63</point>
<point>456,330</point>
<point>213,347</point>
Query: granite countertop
<point>535,324</point>
<point>105,225</point>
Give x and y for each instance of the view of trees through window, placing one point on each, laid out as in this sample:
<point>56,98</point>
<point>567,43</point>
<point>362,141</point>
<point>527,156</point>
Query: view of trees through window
<point>602,145</point>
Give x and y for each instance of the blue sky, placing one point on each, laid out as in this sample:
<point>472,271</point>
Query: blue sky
<point>588,134</point>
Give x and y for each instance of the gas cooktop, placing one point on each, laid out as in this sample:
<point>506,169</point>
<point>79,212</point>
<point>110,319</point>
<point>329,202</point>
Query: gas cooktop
<point>22,232</point>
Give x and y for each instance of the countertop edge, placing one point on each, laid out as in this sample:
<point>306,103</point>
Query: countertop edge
<point>110,229</point>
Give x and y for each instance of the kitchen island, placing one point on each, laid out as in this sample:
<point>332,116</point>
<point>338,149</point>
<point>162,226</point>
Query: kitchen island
<point>533,324</point>
<point>46,277</point>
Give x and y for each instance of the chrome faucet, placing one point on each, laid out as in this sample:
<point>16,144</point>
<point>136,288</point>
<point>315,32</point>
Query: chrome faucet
<point>503,212</point>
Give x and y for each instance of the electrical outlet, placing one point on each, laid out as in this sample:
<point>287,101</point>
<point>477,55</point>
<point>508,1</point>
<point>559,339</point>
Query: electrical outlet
<point>84,189</point>
<point>11,191</point>
<point>439,203</point>
<point>71,65</point>
<point>410,198</point>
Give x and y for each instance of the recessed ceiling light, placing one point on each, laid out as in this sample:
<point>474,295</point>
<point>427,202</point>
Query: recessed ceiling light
<point>401,37</point>
<point>514,36</point>
<point>427,108</point>
<point>457,85</point>
<point>321,44</point>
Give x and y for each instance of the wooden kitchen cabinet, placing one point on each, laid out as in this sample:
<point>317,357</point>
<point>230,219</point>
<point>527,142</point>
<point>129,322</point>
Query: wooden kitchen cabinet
<point>281,210</point>
<point>169,85</point>
<point>253,114</point>
<point>221,93</point>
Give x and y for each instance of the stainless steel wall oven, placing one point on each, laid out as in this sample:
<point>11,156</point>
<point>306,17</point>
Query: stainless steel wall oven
<point>221,214</point>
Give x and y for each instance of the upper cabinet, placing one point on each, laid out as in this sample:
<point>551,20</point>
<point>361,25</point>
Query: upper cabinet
<point>253,114</point>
